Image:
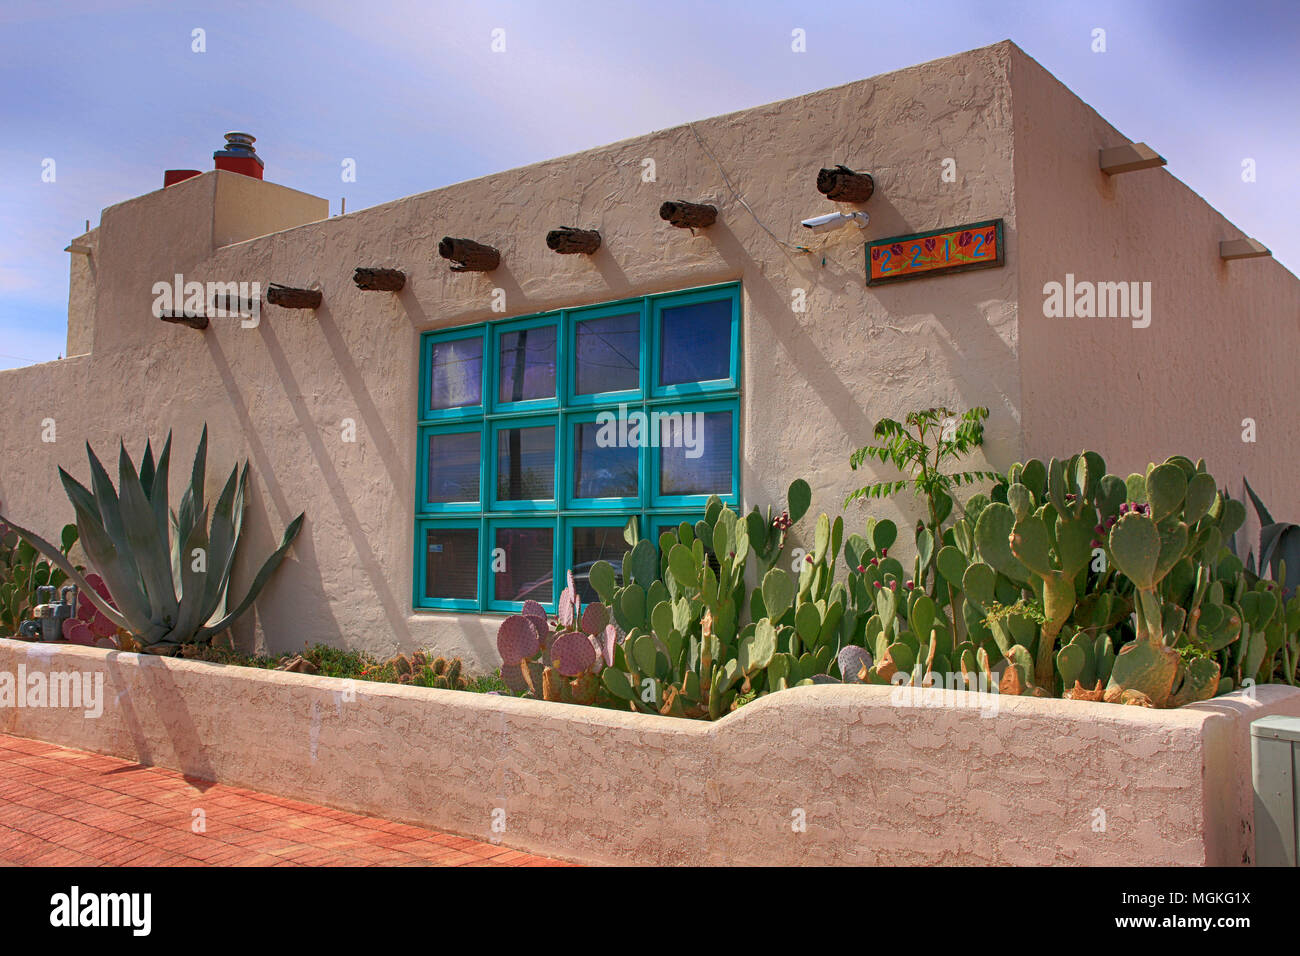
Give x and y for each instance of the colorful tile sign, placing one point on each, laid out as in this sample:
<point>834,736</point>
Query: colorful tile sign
<point>977,245</point>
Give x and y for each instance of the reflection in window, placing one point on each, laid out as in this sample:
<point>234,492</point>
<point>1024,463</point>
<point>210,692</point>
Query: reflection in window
<point>453,467</point>
<point>527,364</point>
<point>609,472</point>
<point>608,355</point>
<point>526,463</point>
<point>525,574</point>
<point>451,563</point>
<point>695,343</point>
<point>456,373</point>
<point>591,545</point>
<point>699,462</point>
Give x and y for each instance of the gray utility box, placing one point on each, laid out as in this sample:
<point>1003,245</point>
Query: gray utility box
<point>1275,760</point>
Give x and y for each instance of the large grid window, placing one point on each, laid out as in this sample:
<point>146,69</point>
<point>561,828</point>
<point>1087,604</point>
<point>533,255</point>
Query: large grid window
<point>540,436</point>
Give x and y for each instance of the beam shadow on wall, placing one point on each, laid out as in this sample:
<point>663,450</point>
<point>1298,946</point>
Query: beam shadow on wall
<point>304,548</point>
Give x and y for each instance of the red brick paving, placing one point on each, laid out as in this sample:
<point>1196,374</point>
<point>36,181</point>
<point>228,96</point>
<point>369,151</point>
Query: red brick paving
<point>61,807</point>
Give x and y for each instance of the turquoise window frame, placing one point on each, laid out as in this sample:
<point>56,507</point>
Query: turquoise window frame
<point>429,414</point>
<point>499,329</point>
<point>488,543</point>
<point>422,525</point>
<point>662,502</point>
<point>495,425</point>
<point>576,317</point>
<point>672,300</point>
<point>564,512</point>
<point>422,503</point>
<point>629,503</point>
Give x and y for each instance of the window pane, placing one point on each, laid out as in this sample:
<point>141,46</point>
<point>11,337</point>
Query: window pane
<point>453,467</point>
<point>695,343</point>
<point>608,354</point>
<point>528,562</point>
<point>609,472</point>
<point>695,454</point>
<point>451,563</point>
<point>456,375</point>
<point>527,367</point>
<point>526,464</point>
<point>591,545</point>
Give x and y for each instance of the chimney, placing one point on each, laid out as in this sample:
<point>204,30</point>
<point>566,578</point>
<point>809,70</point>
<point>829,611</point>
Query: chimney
<point>239,156</point>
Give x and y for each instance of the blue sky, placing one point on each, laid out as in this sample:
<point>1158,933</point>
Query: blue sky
<point>112,92</point>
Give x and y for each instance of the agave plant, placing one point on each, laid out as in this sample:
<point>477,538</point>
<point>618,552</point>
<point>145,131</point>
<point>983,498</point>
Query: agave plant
<point>168,571</point>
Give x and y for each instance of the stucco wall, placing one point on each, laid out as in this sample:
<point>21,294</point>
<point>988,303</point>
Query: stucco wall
<point>1223,336</point>
<point>813,383</point>
<point>1037,782</point>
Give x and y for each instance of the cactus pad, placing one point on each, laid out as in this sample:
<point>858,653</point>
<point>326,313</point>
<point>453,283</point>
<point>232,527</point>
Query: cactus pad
<point>573,653</point>
<point>517,639</point>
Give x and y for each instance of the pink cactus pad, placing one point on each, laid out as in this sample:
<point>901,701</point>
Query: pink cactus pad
<point>533,609</point>
<point>517,639</point>
<point>594,618</point>
<point>573,653</point>
<point>567,614</point>
<point>76,632</point>
<point>101,626</point>
<point>607,639</point>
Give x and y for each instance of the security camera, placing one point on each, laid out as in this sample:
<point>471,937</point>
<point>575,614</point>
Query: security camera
<point>835,220</point>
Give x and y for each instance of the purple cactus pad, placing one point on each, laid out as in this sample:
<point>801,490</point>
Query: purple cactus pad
<point>533,609</point>
<point>517,639</point>
<point>573,653</point>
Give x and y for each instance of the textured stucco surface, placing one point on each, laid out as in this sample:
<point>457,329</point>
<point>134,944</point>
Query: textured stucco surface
<point>1223,336</point>
<point>877,783</point>
<point>813,382</point>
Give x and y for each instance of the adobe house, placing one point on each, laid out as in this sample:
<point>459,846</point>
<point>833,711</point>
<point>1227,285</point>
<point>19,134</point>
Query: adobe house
<point>423,429</point>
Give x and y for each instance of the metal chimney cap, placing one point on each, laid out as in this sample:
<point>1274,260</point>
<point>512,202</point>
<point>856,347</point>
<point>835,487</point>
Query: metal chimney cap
<point>240,146</point>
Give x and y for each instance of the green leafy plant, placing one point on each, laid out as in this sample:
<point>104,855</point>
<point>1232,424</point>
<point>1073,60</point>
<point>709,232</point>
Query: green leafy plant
<point>924,446</point>
<point>168,572</point>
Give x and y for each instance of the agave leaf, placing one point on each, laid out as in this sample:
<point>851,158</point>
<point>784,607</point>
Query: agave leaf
<point>221,547</point>
<point>120,575</point>
<point>193,613</point>
<point>153,556</point>
<point>259,582</point>
<point>157,493</point>
<point>147,469</point>
<point>56,557</point>
<point>110,514</point>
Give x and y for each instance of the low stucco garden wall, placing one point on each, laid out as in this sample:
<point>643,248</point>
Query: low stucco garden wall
<point>1039,781</point>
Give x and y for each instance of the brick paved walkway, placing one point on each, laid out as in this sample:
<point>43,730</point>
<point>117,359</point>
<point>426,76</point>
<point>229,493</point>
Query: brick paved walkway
<point>61,807</point>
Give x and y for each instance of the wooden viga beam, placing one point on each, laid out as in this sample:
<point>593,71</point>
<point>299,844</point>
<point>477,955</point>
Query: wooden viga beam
<point>287,297</point>
<point>194,321</point>
<point>466,255</point>
<point>1128,158</point>
<point>379,280</point>
<point>841,184</point>
<point>688,215</point>
<point>568,241</point>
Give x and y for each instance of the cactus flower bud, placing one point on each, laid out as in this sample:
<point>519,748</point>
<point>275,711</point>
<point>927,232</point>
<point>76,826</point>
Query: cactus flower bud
<point>1094,543</point>
<point>884,552</point>
<point>876,583</point>
<point>808,558</point>
<point>1099,529</point>
<point>875,562</point>
<point>893,585</point>
<point>861,569</point>
<point>911,585</point>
